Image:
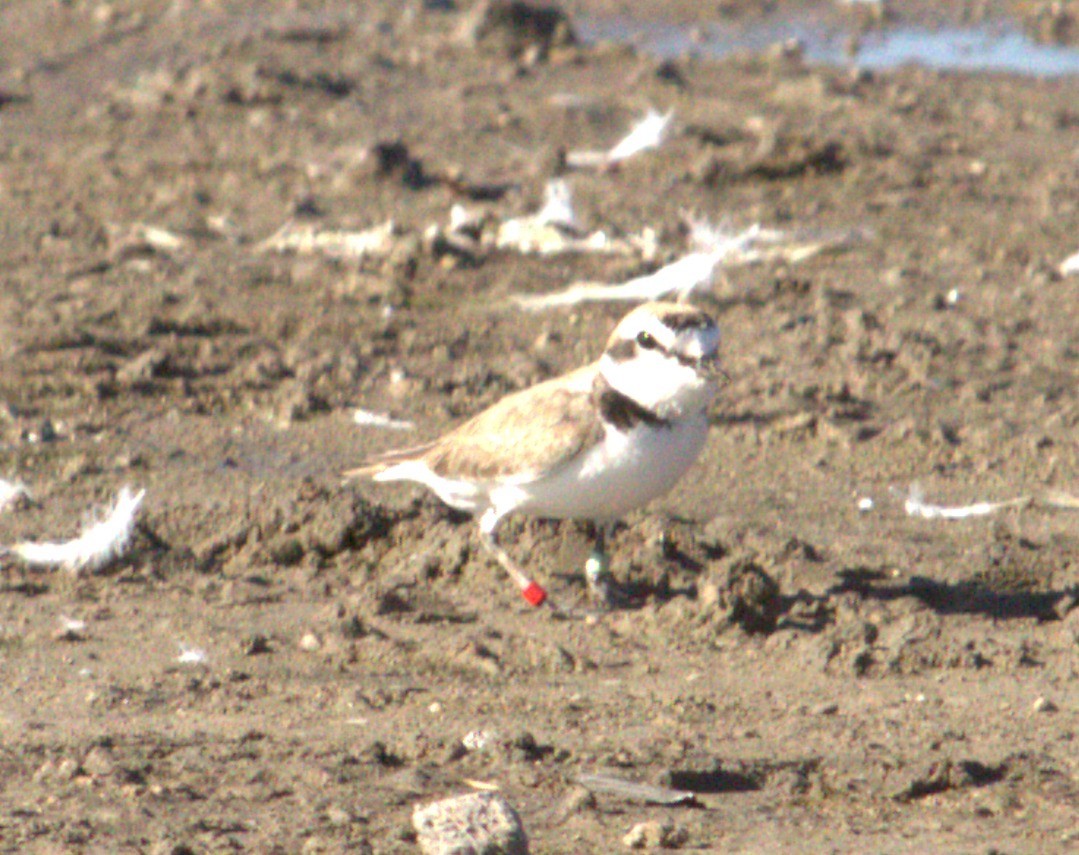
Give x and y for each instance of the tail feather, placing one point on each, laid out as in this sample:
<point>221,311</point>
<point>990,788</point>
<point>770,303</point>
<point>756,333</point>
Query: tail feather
<point>382,462</point>
<point>366,471</point>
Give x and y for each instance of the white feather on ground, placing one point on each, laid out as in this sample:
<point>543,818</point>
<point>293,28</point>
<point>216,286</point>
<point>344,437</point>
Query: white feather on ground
<point>296,239</point>
<point>683,275</point>
<point>558,210</point>
<point>715,247</point>
<point>191,655</point>
<point>915,505</point>
<point>10,492</point>
<point>555,229</point>
<point>648,133</point>
<point>100,543</point>
<point>367,418</point>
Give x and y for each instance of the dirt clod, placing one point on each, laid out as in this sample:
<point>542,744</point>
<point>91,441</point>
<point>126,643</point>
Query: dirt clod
<point>744,594</point>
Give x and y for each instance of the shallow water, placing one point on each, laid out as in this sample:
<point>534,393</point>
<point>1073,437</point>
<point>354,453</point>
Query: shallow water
<point>1000,46</point>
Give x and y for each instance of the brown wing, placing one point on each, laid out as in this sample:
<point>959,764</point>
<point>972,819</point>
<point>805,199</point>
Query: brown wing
<point>523,435</point>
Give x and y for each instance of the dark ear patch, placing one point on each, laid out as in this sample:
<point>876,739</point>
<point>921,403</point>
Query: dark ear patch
<point>687,319</point>
<point>622,351</point>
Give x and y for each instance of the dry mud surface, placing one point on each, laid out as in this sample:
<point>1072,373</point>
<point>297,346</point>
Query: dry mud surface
<point>906,685</point>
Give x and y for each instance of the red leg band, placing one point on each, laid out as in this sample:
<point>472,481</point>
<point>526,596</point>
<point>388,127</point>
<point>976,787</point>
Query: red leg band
<point>534,594</point>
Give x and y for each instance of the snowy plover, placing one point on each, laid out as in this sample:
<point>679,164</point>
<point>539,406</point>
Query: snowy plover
<point>592,444</point>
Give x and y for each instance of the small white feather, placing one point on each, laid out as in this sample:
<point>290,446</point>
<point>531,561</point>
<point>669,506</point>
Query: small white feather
<point>915,505</point>
<point>191,655</point>
<point>10,492</point>
<point>558,207</point>
<point>100,543</point>
<point>715,248</point>
<point>647,133</point>
<point>367,418</point>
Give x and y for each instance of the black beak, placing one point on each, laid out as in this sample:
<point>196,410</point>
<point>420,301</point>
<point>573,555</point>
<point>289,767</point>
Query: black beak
<point>711,370</point>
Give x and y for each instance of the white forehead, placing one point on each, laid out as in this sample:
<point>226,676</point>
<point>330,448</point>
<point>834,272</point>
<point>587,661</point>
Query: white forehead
<point>698,342</point>
<point>695,338</point>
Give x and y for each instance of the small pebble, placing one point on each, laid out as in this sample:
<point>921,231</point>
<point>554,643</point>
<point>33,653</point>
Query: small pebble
<point>255,645</point>
<point>476,740</point>
<point>656,835</point>
<point>1045,705</point>
<point>577,800</point>
<point>70,630</point>
<point>191,655</point>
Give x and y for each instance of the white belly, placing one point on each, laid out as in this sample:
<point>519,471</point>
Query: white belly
<point>624,472</point>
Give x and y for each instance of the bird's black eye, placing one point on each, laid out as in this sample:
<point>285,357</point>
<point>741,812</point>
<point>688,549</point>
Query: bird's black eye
<point>647,341</point>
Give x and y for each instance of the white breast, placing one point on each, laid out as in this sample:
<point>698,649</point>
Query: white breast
<point>624,472</point>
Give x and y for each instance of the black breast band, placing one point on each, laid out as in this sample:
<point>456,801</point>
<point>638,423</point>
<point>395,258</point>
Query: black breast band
<point>622,411</point>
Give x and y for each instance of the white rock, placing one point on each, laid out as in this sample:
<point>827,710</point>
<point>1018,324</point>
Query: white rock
<point>310,642</point>
<point>656,835</point>
<point>477,822</point>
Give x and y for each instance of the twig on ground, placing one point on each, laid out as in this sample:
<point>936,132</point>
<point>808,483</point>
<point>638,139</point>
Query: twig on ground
<point>636,792</point>
<point>1060,500</point>
<point>140,239</point>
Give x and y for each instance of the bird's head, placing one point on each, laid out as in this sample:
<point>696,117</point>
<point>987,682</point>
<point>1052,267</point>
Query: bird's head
<point>664,356</point>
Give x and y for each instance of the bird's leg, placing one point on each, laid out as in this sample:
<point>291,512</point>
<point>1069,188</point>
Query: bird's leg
<point>531,591</point>
<point>601,584</point>
<point>597,564</point>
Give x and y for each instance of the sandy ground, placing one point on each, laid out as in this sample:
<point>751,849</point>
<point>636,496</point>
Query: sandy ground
<point>905,685</point>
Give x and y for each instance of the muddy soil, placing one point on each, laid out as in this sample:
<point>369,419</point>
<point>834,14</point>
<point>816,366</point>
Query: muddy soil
<point>283,663</point>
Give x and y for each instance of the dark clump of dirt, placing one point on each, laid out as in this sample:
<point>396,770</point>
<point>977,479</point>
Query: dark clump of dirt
<point>748,596</point>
